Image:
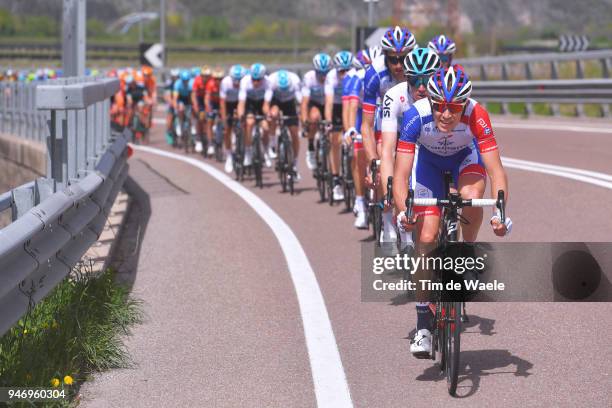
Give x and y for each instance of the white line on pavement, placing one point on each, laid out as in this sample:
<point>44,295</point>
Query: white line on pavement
<point>331,387</point>
<point>567,172</point>
<point>553,126</point>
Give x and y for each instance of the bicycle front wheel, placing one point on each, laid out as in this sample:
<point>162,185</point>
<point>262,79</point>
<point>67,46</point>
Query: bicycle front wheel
<point>452,344</point>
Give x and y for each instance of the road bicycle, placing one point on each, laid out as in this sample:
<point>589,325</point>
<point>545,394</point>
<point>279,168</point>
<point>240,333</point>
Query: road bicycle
<point>284,163</point>
<point>375,204</point>
<point>446,335</point>
<point>322,173</point>
<point>183,129</point>
<point>346,176</point>
<point>258,156</point>
<point>238,152</point>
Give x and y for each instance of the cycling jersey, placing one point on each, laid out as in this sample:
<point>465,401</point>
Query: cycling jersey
<point>198,86</point>
<point>293,93</point>
<point>313,89</point>
<point>249,91</point>
<point>377,81</point>
<point>183,88</point>
<point>212,88</point>
<point>137,93</point>
<point>396,101</point>
<point>336,87</point>
<point>418,126</point>
<point>457,151</point>
<point>228,91</point>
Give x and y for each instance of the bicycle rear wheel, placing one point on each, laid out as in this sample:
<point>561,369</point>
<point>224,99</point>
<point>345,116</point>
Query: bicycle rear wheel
<point>377,223</point>
<point>452,344</point>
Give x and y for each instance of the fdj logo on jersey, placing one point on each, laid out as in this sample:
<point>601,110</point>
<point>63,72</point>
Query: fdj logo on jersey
<point>386,106</point>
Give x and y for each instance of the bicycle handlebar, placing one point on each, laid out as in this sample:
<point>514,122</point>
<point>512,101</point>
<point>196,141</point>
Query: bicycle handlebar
<point>455,201</point>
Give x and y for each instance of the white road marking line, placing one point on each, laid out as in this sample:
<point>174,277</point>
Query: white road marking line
<point>588,173</point>
<point>331,387</point>
<point>573,175</point>
<point>552,126</point>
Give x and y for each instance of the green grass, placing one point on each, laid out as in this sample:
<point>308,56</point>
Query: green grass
<point>75,331</point>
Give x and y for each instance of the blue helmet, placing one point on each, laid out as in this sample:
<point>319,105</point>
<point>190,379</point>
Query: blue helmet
<point>442,45</point>
<point>450,84</point>
<point>398,40</point>
<point>237,72</point>
<point>283,80</point>
<point>322,62</point>
<point>195,71</point>
<point>343,60</point>
<point>258,71</point>
<point>185,75</point>
<point>421,62</point>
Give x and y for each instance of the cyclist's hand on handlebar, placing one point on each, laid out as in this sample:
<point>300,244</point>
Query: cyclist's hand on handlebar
<point>403,223</point>
<point>501,229</point>
<point>348,136</point>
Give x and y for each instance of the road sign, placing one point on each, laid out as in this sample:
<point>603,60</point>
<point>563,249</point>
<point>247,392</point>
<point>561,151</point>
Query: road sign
<point>572,43</point>
<point>152,55</point>
<point>368,36</point>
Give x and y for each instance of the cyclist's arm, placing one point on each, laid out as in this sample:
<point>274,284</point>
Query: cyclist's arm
<point>391,111</point>
<point>222,109</point>
<point>194,100</point>
<point>404,156</point>
<point>497,174</point>
<point>370,89</point>
<point>480,125</point>
<point>329,107</point>
<point>267,99</point>
<point>401,175</point>
<point>207,105</point>
<point>304,108</point>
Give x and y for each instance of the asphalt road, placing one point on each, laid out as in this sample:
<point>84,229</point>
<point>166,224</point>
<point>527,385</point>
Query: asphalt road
<point>224,326</point>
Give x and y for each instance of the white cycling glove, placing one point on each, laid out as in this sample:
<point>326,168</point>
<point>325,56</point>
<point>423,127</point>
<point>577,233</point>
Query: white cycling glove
<point>348,136</point>
<point>507,223</point>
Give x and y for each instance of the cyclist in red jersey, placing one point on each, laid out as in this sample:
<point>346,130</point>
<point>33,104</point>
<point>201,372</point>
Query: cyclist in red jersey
<point>211,102</point>
<point>197,100</point>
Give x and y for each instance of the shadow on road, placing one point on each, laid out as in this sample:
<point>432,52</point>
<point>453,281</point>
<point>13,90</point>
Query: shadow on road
<point>478,363</point>
<point>127,254</point>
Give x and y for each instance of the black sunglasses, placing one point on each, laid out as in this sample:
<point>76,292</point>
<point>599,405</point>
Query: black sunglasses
<point>395,60</point>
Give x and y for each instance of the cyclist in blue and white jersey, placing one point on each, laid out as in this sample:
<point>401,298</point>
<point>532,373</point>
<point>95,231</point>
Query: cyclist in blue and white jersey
<point>250,103</point>
<point>313,101</point>
<point>419,65</point>
<point>228,102</point>
<point>444,47</point>
<point>336,108</point>
<point>283,95</point>
<point>385,72</point>
<point>181,95</point>
<point>353,132</point>
<point>451,130</point>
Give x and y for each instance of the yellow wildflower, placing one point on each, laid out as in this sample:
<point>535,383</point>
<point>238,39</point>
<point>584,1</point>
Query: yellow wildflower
<point>55,382</point>
<point>68,380</point>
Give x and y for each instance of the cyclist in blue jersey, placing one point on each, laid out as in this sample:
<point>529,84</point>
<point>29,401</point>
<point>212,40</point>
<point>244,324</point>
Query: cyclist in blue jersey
<point>419,65</point>
<point>182,93</point>
<point>444,47</point>
<point>451,129</point>
<point>353,132</point>
<point>385,72</point>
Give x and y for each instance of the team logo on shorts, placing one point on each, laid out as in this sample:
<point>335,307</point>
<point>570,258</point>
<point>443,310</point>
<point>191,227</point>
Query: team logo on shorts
<point>487,131</point>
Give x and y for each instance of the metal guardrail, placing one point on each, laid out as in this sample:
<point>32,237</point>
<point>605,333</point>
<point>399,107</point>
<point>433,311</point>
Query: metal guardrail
<point>18,113</point>
<point>56,219</point>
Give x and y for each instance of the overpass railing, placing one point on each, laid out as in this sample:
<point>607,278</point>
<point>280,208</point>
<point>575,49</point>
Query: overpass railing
<point>58,217</point>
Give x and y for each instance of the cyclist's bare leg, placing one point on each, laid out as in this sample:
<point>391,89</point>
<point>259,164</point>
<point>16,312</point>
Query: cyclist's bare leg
<point>334,158</point>
<point>209,130</point>
<point>274,113</point>
<point>295,141</point>
<point>427,231</point>
<point>227,136</point>
<point>359,170</point>
<point>471,186</point>
<point>314,117</point>
<point>248,128</point>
